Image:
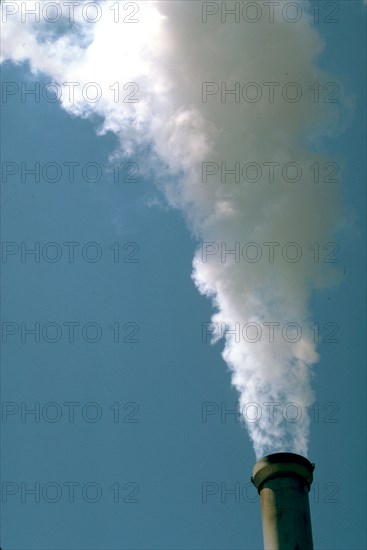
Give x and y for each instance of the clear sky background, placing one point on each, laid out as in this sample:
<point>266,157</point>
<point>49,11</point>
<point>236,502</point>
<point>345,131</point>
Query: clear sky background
<point>152,453</point>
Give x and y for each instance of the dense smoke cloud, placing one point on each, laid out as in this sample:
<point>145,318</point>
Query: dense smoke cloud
<point>179,69</point>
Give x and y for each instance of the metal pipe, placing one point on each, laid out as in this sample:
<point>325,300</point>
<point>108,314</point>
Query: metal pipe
<point>283,481</point>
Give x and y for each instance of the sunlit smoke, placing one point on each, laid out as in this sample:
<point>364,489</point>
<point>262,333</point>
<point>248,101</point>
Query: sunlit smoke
<point>174,64</point>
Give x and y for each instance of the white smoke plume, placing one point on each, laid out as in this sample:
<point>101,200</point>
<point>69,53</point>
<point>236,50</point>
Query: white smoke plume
<point>169,52</point>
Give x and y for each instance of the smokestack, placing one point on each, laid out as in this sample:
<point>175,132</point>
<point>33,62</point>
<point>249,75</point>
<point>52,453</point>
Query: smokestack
<point>283,481</point>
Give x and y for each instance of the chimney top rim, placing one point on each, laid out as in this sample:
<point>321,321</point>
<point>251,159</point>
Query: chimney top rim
<point>282,464</point>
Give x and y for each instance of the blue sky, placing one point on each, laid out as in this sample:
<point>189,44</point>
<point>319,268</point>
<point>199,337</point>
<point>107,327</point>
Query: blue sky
<point>150,468</point>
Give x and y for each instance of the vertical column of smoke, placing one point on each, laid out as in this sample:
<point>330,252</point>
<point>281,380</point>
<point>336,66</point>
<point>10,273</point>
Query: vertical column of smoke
<point>219,132</point>
<point>172,52</point>
<point>283,481</point>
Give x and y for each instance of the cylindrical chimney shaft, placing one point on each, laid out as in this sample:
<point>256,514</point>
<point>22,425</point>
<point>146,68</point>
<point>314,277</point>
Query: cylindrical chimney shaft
<point>283,481</point>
